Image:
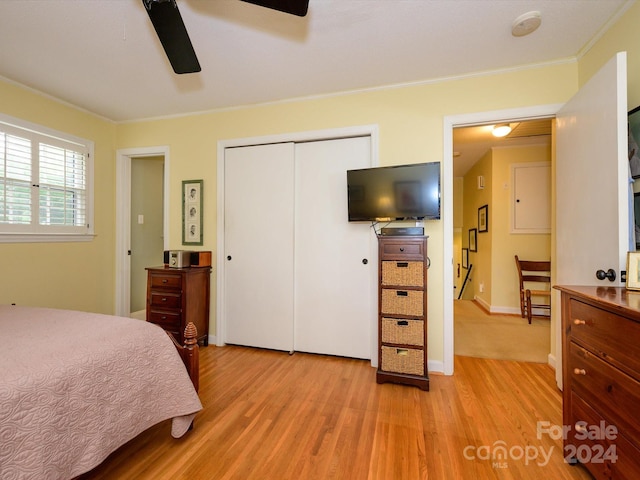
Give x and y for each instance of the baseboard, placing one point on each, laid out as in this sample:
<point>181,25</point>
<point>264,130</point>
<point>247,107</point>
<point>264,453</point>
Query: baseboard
<point>212,340</point>
<point>551,359</point>
<point>482,304</point>
<point>435,366</point>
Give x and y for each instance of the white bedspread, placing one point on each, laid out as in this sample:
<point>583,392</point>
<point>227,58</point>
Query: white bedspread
<point>75,386</point>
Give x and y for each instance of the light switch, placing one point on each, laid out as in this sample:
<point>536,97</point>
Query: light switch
<point>140,219</point>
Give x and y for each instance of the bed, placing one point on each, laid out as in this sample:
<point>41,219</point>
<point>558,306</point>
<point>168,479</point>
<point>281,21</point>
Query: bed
<point>75,386</point>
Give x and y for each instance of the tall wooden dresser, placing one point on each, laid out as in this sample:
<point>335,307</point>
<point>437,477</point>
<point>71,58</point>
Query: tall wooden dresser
<point>177,296</point>
<point>601,379</point>
<point>402,310</point>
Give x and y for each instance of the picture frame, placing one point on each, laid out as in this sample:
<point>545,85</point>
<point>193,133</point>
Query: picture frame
<point>633,126</point>
<point>633,270</point>
<point>473,240</point>
<point>192,194</point>
<point>465,258</point>
<point>483,219</point>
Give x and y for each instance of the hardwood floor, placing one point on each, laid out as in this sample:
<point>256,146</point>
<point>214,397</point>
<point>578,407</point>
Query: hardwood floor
<point>268,415</point>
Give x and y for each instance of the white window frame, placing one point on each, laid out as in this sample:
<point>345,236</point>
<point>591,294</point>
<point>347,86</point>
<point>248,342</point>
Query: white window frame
<point>11,233</point>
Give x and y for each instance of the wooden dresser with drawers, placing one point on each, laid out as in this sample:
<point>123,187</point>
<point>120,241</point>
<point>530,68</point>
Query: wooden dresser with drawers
<point>177,296</point>
<point>601,379</point>
<point>402,310</point>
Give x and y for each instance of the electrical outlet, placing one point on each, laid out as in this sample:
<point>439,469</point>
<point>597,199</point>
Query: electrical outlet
<point>481,287</point>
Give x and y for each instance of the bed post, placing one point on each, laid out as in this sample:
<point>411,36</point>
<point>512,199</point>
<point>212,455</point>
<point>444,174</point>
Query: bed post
<point>190,353</point>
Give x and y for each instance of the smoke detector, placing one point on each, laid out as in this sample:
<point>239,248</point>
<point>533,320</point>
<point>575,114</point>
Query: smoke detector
<point>526,24</point>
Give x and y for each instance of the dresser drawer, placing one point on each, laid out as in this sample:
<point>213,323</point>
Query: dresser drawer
<point>402,273</point>
<point>167,320</point>
<point>160,299</point>
<point>583,447</point>
<point>402,360</point>
<point>611,455</point>
<point>615,395</point>
<point>402,302</point>
<point>615,337</point>
<point>165,280</point>
<point>403,331</point>
<point>402,249</point>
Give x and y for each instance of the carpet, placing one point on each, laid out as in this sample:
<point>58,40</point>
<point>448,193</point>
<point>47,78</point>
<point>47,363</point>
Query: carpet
<point>501,337</point>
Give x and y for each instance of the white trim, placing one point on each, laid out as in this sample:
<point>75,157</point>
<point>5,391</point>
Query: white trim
<point>45,237</point>
<point>551,360</point>
<point>449,122</point>
<point>314,135</point>
<point>123,219</point>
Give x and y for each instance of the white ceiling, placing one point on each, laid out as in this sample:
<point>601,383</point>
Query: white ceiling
<point>471,143</point>
<point>104,56</point>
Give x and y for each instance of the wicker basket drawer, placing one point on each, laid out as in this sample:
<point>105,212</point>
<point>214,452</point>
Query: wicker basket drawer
<point>403,331</point>
<point>402,360</point>
<point>410,274</point>
<point>402,302</point>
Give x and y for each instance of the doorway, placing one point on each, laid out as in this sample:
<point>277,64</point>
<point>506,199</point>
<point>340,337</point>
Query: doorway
<point>487,314</point>
<point>129,177</point>
<point>451,122</point>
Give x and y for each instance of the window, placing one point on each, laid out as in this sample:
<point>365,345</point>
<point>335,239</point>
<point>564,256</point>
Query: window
<point>46,180</point>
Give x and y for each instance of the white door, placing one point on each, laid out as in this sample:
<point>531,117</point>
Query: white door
<point>258,229</point>
<point>592,212</point>
<point>333,258</point>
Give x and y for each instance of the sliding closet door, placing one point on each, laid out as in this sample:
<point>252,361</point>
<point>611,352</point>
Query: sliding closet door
<point>333,258</point>
<point>259,213</point>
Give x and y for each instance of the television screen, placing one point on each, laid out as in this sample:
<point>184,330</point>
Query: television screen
<point>402,192</point>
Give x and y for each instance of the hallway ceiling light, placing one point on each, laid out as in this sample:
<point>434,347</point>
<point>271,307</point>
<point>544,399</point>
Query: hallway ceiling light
<point>526,23</point>
<point>501,130</point>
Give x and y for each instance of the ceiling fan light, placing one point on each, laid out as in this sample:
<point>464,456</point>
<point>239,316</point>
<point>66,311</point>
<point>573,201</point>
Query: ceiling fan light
<point>501,130</point>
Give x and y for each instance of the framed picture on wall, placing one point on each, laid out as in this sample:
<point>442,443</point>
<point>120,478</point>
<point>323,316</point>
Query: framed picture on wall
<point>192,212</point>
<point>483,219</point>
<point>465,258</point>
<point>473,240</point>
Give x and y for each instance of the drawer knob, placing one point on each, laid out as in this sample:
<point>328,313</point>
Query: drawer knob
<point>164,299</point>
<point>403,323</point>
<point>402,351</point>
<point>164,280</point>
<point>401,293</point>
<point>163,317</point>
<point>577,321</point>
<point>402,264</point>
<point>579,371</point>
<point>402,249</point>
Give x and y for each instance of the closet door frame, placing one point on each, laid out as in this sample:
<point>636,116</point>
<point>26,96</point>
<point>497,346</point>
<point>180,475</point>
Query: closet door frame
<point>315,135</point>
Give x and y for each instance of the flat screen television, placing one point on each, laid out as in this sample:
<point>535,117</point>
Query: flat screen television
<point>401,192</point>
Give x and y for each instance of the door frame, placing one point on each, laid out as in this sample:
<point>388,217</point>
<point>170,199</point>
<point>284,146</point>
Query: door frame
<point>298,137</point>
<point>466,120</point>
<point>123,218</point>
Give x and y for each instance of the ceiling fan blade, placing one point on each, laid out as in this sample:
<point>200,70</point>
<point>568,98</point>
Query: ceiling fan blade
<point>167,21</point>
<point>294,7</point>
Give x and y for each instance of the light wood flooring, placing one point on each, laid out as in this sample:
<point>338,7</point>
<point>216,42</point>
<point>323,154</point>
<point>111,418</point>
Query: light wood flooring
<point>268,415</point>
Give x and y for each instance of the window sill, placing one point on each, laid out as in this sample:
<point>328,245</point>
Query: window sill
<point>45,237</point>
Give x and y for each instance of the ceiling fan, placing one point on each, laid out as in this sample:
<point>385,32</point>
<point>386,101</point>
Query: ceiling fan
<point>167,21</point>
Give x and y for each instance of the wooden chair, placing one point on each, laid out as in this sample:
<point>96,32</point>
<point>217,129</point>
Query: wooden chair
<point>539,274</point>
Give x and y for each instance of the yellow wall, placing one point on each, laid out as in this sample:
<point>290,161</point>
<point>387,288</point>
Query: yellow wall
<point>65,275</point>
<point>504,276</point>
<point>474,198</point>
<point>623,36</point>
